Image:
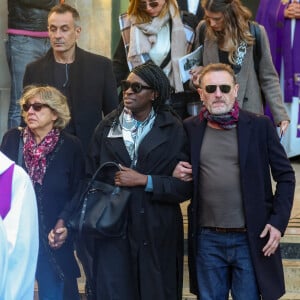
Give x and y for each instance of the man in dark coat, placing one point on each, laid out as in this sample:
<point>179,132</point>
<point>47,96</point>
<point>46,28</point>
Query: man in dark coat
<point>86,79</point>
<point>233,211</point>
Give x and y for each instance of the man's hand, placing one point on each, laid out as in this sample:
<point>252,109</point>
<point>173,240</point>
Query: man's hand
<point>183,171</point>
<point>274,239</point>
<point>129,177</point>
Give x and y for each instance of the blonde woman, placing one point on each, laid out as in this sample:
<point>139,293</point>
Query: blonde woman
<point>156,31</point>
<point>54,162</point>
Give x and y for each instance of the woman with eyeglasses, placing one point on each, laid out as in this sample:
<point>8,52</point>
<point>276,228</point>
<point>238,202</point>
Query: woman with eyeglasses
<point>228,36</point>
<point>55,164</point>
<point>157,31</point>
<point>147,140</point>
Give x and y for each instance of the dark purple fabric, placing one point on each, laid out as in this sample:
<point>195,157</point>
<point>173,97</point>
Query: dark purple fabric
<point>6,191</point>
<point>271,15</point>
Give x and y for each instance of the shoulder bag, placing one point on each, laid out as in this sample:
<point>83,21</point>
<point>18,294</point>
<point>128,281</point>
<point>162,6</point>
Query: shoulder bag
<point>103,208</point>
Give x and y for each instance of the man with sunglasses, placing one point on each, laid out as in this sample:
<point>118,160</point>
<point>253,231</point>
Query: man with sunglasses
<point>86,79</point>
<point>235,220</point>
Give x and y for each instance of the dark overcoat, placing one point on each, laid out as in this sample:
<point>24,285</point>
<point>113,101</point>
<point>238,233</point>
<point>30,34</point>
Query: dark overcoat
<point>92,88</point>
<point>155,229</point>
<point>65,168</point>
<point>260,153</point>
<point>183,5</point>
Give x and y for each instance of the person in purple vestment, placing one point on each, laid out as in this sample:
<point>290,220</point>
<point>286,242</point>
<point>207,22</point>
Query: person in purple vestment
<point>283,16</point>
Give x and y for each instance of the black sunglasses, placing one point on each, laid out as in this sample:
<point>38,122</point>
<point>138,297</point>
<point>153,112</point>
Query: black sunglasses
<point>136,87</point>
<point>36,106</point>
<point>152,4</point>
<point>211,88</point>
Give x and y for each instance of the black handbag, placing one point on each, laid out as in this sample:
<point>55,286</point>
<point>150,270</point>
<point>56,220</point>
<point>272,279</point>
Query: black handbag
<point>103,208</point>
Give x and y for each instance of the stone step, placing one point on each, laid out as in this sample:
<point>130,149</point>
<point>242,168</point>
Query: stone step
<point>287,296</point>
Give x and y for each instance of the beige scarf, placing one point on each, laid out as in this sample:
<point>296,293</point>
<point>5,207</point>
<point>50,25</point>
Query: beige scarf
<point>143,37</point>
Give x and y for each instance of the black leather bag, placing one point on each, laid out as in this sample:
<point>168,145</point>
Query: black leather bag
<point>103,208</point>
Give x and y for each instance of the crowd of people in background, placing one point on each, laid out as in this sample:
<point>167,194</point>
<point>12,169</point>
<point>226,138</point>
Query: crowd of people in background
<point>72,110</point>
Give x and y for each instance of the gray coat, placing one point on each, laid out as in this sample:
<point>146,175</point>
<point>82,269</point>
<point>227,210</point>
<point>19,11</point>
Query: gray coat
<point>249,94</point>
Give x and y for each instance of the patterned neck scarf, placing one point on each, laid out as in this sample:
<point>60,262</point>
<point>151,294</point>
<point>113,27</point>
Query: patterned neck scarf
<point>134,131</point>
<point>225,121</point>
<point>35,154</point>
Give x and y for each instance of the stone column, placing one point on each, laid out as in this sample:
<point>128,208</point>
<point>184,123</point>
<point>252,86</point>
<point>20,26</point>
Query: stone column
<point>96,25</point>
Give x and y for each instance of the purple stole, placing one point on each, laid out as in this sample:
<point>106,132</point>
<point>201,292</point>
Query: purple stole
<point>281,46</point>
<point>291,59</point>
<point>6,191</point>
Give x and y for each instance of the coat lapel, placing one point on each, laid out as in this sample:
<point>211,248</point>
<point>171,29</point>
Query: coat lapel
<point>196,133</point>
<point>244,132</point>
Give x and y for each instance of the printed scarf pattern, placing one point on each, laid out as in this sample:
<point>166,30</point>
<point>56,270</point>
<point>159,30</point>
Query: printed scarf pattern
<point>226,121</point>
<point>133,131</point>
<point>35,154</point>
<point>139,38</point>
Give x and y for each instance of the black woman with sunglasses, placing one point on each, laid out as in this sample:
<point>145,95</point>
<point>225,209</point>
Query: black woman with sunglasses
<point>147,140</point>
<point>157,31</point>
<point>236,218</point>
<point>54,161</point>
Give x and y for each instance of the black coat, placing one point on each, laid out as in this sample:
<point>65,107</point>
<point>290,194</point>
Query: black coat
<point>155,229</point>
<point>29,15</point>
<point>92,88</point>
<point>65,168</point>
<point>260,152</point>
<point>183,5</point>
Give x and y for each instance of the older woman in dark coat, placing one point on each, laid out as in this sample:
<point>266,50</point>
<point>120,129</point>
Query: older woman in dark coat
<point>54,161</point>
<point>147,141</point>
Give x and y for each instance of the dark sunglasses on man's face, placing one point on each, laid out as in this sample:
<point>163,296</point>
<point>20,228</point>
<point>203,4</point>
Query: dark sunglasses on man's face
<point>136,87</point>
<point>152,4</point>
<point>224,88</point>
<point>36,106</point>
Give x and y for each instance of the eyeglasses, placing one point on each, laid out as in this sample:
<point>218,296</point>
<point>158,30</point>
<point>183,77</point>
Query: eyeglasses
<point>136,87</point>
<point>36,106</point>
<point>224,88</point>
<point>144,5</point>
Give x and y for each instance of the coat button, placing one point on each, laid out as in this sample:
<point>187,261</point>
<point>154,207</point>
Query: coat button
<point>145,243</point>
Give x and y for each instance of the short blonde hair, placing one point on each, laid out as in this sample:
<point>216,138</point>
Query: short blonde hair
<point>49,95</point>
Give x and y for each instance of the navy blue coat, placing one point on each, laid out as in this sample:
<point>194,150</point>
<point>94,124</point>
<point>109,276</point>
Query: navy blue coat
<point>65,168</point>
<point>260,153</point>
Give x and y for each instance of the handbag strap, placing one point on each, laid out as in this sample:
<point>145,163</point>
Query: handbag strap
<point>84,205</point>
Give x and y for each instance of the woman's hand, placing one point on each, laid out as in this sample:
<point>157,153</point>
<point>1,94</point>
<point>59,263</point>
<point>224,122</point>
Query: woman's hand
<point>195,75</point>
<point>58,235</point>
<point>129,177</point>
<point>284,126</point>
<point>183,171</point>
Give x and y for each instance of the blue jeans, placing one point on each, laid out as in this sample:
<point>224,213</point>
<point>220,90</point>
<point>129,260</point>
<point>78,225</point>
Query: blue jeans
<point>224,264</point>
<point>20,51</point>
<point>50,285</point>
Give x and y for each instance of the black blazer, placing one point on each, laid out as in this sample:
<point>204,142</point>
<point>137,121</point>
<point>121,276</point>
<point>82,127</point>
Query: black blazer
<point>93,89</point>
